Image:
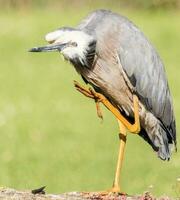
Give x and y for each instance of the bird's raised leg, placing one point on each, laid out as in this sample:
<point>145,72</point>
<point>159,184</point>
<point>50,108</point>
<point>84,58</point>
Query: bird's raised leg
<point>133,128</point>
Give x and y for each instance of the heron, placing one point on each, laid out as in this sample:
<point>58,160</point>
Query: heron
<point>125,73</point>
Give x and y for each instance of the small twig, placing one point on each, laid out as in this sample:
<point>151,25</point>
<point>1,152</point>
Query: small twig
<point>39,190</point>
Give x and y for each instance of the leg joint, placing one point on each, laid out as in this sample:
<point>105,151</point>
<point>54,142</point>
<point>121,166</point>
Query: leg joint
<point>122,137</point>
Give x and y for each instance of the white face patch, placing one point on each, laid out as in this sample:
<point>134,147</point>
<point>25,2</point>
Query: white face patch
<point>51,37</point>
<point>79,38</point>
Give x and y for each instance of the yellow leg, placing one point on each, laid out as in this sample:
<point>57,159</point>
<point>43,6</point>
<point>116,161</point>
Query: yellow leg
<point>122,136</point>
<point>124,126</point>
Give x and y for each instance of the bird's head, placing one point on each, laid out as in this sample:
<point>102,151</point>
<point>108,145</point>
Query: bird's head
<point>74,44</point>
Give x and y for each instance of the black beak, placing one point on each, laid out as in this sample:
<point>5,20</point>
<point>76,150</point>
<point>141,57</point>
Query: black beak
<point>48,48</point>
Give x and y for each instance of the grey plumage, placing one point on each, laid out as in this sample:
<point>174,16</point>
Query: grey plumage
<point>115,57</point>
<point>117,36</point>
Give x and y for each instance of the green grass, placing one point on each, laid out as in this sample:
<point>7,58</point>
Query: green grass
<point>50,135</point>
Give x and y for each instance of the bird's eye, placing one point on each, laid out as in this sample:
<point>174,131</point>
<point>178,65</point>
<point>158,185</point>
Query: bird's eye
<point>74,44</point>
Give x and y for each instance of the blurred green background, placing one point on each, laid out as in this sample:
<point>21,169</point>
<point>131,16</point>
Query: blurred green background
<point>50,134</point>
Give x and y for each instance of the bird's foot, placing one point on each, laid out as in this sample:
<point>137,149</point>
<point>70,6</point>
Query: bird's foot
<point>90,93</point>
<point>110,193</point>
<point>115,190</point>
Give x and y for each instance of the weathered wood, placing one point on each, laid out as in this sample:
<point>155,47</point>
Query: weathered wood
<point>12,194</point>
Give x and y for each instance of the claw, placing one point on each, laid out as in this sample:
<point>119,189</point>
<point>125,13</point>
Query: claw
<point>90,93</point>
<point>99,112</point>
<point>83,90</point>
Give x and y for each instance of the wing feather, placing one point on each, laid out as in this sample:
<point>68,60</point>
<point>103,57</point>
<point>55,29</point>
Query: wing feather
<point>146,73</point>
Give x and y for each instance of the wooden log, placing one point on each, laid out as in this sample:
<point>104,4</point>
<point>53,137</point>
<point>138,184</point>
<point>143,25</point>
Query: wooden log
<point>39,194</point>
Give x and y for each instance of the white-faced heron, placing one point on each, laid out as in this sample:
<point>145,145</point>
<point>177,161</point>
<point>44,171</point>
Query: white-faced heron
<point>116,59</point>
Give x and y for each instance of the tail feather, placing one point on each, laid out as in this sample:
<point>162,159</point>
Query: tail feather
<point>159,139</point>
<point>164,150</point>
